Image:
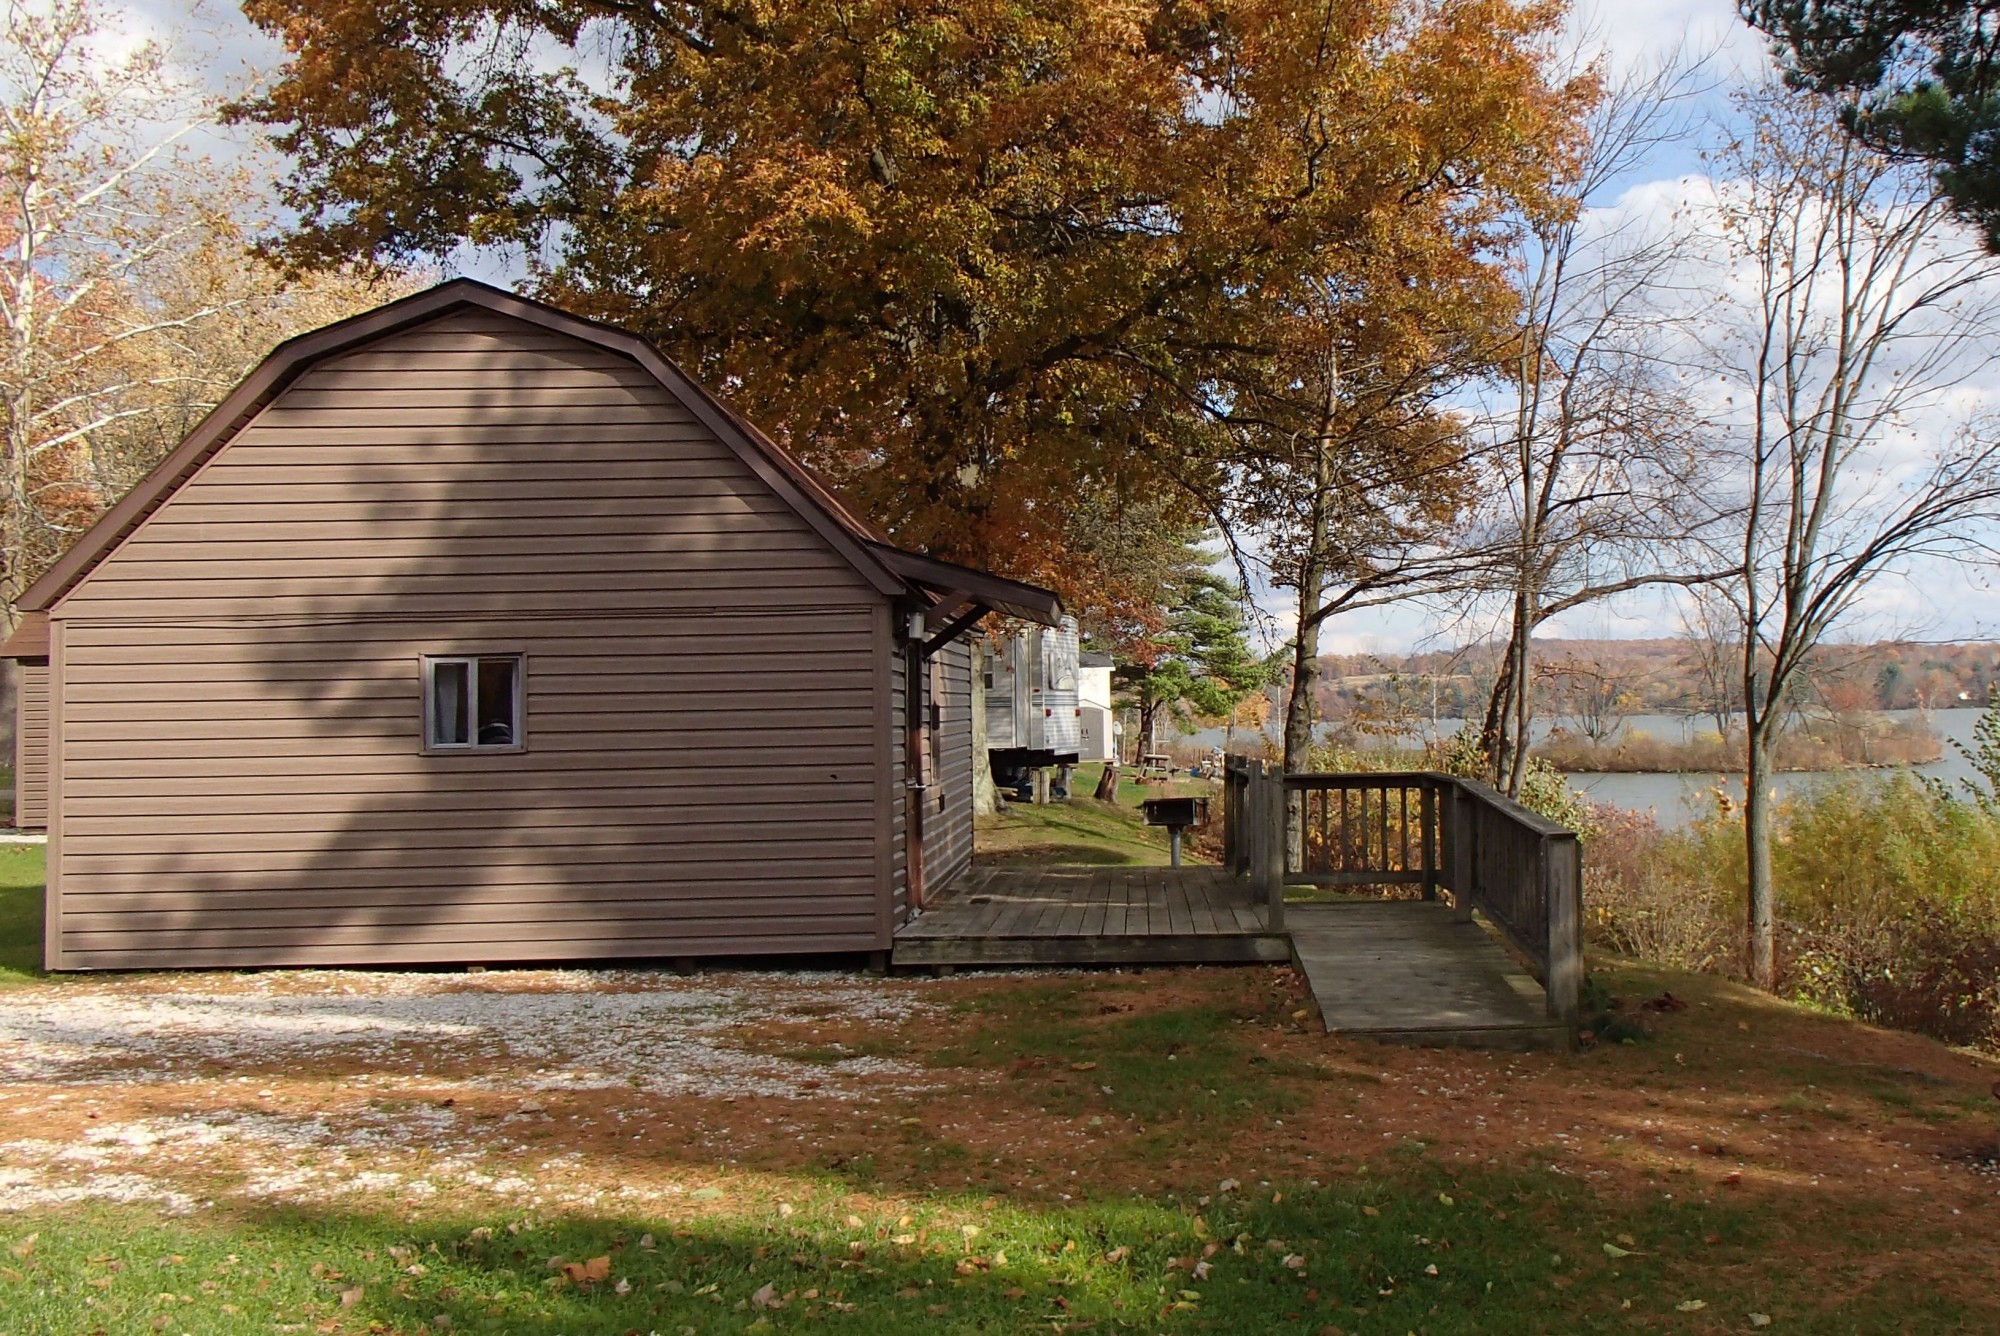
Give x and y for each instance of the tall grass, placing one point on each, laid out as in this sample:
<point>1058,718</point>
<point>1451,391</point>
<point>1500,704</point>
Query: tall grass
<point>1888,900</point>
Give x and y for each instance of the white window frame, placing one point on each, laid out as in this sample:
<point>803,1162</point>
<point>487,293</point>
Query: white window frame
<point>427,679</point>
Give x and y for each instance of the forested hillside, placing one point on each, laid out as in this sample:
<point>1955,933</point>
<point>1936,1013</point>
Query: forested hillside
<point>1661,676</point>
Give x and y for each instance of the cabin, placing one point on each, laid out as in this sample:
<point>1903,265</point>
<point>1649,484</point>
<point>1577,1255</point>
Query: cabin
<point>467,630</point>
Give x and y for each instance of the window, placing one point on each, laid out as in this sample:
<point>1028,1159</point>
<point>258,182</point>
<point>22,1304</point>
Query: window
<point>473,703</point>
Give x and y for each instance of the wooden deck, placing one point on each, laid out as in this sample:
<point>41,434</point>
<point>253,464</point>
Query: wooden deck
<point>1394,970</point>
<point>1091,916</point>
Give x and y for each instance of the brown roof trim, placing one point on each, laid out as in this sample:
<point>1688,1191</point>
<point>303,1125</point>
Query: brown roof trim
<point>30,639</point>
<point>1012,597</point>
<point>858,542</point>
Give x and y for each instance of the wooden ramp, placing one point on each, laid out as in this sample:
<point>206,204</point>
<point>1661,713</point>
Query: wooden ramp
<point>1090,916</point>
<point>1405,970</point>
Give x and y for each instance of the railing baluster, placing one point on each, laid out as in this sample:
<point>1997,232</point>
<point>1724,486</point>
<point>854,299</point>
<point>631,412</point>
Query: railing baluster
<point>1403,804</point>
<point>1343,830</point>
<point>1383,825</point>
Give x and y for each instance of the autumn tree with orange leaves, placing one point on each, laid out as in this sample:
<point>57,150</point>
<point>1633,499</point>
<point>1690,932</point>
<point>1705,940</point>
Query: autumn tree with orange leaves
<point>129,304</point>
<point>975,260</point>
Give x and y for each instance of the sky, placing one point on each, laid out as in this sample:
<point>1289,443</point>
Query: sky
<point>1940,602</point>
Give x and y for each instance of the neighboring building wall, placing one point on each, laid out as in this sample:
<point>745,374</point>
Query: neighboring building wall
<point>241,779</point>
<point>31,745</point>
<point>948,826</point>
<point>1097,734</point>
<point>948,837</point>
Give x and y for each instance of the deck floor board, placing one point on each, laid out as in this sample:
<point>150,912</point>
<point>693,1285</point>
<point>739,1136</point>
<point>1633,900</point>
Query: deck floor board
<point>1402,970</point>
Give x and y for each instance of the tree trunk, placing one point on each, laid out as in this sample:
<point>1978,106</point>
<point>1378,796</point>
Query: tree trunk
<point>1299,709</point>
<point>1107,784</point>
<point>1760,952</point>
<point>1522,655</point>
<point>1493,732</point>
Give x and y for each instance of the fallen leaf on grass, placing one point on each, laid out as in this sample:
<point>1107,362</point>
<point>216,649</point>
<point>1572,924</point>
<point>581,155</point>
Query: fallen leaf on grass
<point>351,1297</point>
<point>1118,1254</point>
<point>1612,1250</point>
<point>1370,1211</point>
<point>767,1297</point>
<point>592,1272</point>
<point>1690,1305</point>
<point>26,1247</point>
<point>1760,1319</point>
<point>1083,1066</point>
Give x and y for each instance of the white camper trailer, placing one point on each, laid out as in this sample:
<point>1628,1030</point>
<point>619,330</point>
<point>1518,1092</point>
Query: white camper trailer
<point>1032,716</point>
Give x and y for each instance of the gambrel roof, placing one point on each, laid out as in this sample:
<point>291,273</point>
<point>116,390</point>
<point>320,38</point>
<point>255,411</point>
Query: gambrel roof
<point>890,570</point>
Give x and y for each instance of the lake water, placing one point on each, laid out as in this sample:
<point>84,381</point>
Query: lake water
<point>1677,799</point>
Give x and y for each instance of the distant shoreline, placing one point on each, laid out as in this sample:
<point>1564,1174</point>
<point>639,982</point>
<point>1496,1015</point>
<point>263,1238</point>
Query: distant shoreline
<point>1856,743</point>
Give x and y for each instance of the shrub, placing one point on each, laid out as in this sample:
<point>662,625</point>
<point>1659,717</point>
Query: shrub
<point>1888,903</point>
<point>1642,897</point>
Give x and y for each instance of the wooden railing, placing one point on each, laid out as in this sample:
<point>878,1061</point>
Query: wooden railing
<point>1415,832</point>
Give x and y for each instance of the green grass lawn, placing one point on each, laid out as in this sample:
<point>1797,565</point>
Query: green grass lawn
<point>1423,1249</point>
<point>22,869</point>
<point>1084,830</point>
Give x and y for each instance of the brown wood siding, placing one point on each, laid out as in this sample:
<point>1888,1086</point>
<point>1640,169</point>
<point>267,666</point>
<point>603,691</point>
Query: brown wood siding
<point>242,780</point>
<point>31,745</point>
<point>948,835</point>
